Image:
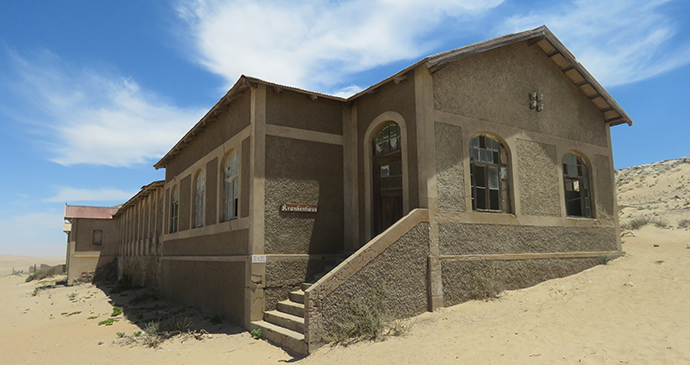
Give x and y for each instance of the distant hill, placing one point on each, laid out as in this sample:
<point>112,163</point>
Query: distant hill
<point>658,192</point>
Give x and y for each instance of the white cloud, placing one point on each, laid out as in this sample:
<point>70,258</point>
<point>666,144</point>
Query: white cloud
<point>36,234</point>
<point>70,195</point>
<point>346,92</point>
<point>618,41</point>
<point>94,118</point>
<point>314,43</point>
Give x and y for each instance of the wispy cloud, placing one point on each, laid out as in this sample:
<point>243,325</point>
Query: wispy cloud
<point>71,195</point>
<point>96,118</point>
<point>36,234</point>
<point>618,41</point>
<point>314,43</point>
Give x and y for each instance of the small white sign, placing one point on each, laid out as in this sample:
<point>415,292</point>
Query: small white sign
<point>258,259</point>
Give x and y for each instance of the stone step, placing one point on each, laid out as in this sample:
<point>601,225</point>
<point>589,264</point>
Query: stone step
<point>286,320</point>
<point>305,286</point>
<point>297,296</point>
<point>287,306</point>
<point>291,341</point>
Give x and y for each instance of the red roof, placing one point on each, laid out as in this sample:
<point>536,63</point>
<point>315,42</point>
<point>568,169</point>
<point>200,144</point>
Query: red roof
<point>81,211</point>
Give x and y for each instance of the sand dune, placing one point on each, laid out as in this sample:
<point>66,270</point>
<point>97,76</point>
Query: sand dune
<point>633,310</point>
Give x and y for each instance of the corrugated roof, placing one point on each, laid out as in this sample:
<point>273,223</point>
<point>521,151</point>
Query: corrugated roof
<point>540,36</point>
<point>89,212</point>
<point>144,192</point>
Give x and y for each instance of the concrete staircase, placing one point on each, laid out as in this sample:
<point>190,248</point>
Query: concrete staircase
<point>285,325</point>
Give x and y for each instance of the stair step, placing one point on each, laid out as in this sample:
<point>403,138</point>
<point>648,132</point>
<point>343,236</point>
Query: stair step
<point>288,339</point>
<point>286,320</point>
<point>305,286</point>
<point>297,296</point>
<point>286,306</point>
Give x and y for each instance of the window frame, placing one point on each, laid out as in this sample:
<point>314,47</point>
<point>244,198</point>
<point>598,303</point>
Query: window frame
<point>174,209</point>
<point>198,199</point>
<point>581,181</point>
<point>230,172</point>
<point>484,150</point>
<point>99,241</point>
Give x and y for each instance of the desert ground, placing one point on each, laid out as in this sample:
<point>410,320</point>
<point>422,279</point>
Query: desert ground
<point>632,310</point>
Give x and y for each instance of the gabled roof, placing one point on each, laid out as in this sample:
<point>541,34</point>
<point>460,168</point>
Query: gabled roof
<point>88,212</point>
<point>540,36</point>
<point>144,192</point>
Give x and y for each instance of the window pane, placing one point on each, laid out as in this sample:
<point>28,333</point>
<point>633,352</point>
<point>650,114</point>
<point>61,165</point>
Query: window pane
<point>396,182</point>
<point>394,144</point>
<point>479,176</point>
<point>494,200</point>
<point>474,142</point>
<point>385,171</point>
<point>493,178</point>
<point>481,198</point>
<point>474,154</point>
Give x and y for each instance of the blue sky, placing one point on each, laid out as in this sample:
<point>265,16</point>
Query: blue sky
<point>92,93</point>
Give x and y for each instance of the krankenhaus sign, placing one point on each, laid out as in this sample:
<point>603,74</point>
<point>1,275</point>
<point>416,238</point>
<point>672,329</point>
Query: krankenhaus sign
<point>298,208</point>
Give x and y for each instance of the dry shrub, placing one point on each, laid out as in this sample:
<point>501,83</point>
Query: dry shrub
<point>367,319</point>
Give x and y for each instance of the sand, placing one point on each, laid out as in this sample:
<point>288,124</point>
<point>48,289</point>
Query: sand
<point>633,310</point>
<point>22,263</point>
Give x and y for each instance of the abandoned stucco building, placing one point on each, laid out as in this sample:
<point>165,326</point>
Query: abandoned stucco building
<point>92,238</point>
<point>488,166</point>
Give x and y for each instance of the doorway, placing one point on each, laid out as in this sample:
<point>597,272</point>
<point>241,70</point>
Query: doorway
<point>388,178</point>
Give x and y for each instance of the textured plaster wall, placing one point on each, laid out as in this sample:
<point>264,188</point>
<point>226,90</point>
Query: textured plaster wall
<point>211,213</point>
<point>244,175</point>
<point>398,98</point>
<point>603,195</point>
<point>474,239</point>
<point>401,270</point>
<point>467,280</point>
<point>303,172</point>
<point>84,236</point>
<point>210,286</point>
<point>282,277</point>
<point>449,167</point>
<point>296,110</point>
<point>229,123</point>
<point>219,244</point>
<point>185,206</point>
<point>142,270</point>
<point>495,86</point>
<point>538,177</point>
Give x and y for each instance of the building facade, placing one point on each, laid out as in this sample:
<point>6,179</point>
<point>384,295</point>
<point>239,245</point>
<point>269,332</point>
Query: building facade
<point>92,239</point>
<point>484,168</point>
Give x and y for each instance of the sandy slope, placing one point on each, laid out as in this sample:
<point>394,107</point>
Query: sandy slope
<point>634,310</point>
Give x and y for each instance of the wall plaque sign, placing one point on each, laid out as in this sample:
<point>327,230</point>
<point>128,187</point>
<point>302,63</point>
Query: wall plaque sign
<point>298,208</point>
<point>258,259</point>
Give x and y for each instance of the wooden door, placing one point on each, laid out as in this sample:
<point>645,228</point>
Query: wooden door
<point>388,178</point>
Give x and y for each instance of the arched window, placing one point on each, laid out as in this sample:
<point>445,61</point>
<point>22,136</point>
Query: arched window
<point>231,170</point>
<point>576,180</point>
<point>199,190</point>
<point>174,209</point>
<point>489,175</point>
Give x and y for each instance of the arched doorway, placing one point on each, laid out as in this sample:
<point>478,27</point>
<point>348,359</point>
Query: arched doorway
<point>387,177</point>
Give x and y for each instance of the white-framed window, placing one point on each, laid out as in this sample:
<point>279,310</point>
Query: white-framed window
<point>174,209</point>
<point>231,172</point>
<point>199,194</point>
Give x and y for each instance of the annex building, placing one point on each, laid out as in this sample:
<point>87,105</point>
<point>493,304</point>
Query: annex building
<point>483,168</point>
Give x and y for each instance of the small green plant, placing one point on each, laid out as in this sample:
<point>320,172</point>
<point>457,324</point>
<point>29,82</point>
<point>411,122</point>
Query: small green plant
<point>216,320</point>
<point>42,274</point>
<point>116,311</point>
<point>604,260</point>
<point>120,334</point>
<point>153,336</point>
<point>35,292</point>
<point>108,322</point>
<point>257,333</point>
<point>72,296</point>
<point>93,317</point>
<point>136,334</point>
<point>683,223</point>
<point>182,324</point>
